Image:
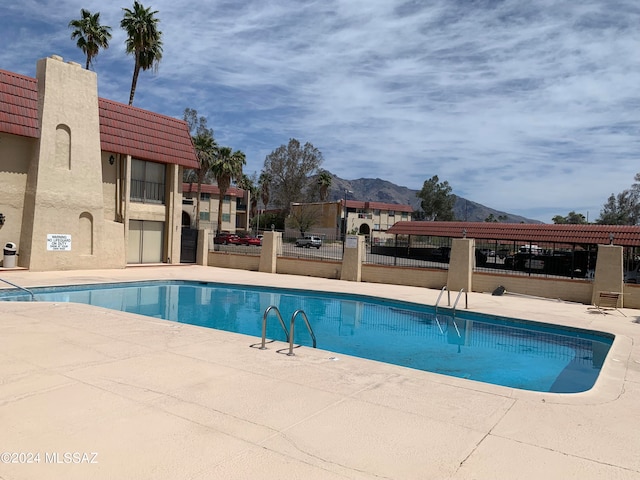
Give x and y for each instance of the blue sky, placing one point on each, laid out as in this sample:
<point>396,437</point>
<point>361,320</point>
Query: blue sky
<point>526,106</point>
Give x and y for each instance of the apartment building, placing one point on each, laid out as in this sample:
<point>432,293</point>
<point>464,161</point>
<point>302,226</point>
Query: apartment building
<point>333,219</point>
<point>87,182</point>
<point>235,212</point>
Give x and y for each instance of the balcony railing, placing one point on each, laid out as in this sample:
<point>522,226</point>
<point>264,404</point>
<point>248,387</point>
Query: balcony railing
<point>147,192</point>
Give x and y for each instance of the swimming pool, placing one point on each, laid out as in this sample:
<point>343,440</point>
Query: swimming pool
<point>491,349</point>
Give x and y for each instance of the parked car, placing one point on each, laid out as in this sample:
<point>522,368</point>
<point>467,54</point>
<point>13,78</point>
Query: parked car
<point>440,254</point>
<point>309,241</point>
<point>226,238</point>
<point>632,276</point>
<point>250,240</point>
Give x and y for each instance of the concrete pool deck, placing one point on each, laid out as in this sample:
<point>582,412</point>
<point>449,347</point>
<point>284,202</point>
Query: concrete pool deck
<point>147,398</point>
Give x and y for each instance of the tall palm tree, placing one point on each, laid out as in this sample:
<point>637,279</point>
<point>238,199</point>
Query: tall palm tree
<point>264,183</point>
<point>206,150</point>
<point>90,34</point>
<point>247,183</point>
<point>144,40</point>
<point>324,182</point>
<point>226,167</point>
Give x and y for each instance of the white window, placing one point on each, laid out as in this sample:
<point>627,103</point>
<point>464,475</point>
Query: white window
<point>147,181</point>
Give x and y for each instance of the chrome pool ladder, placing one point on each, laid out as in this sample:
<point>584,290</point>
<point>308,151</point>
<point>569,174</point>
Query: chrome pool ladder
<point>453,310</point>
<point>292,326</point>
<point>444,289</point>
<point>466,301</point>
<point>33,297</point>
<point>288,333</point>
<point>264,325</point>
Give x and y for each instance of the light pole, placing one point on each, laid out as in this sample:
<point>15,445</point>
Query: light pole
<point>258,222</point>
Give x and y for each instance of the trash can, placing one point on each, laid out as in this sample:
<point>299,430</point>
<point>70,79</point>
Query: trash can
<point>9,255</point>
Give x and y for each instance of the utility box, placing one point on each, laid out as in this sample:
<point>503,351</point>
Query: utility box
<point>10,253</point>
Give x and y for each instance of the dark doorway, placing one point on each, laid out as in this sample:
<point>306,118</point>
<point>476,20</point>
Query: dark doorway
<point>189,245</point>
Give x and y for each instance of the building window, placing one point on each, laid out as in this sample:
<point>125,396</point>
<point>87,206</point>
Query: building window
<point>226,217</point>
<point>204,216</point>
<point>227,199</point>
<point>376,226</point>
<point>147,182</point>
<point>405,215</point>
<point>205,196</point>
<point>392,213</point>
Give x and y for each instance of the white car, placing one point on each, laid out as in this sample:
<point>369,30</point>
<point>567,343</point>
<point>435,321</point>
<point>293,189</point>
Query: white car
<point>309,241</point>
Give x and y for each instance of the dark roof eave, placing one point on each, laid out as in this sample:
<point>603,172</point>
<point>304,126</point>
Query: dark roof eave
<point>624,235</point>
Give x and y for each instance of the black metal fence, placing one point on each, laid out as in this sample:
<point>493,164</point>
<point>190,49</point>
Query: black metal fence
<point>327,248</point>
<point>499,256</point>
<point>516,258</point>
<point>427,252</point>
<point>541,259</point>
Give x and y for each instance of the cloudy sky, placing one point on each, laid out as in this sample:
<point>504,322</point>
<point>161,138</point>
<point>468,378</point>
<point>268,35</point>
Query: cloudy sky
<point>526,106</point>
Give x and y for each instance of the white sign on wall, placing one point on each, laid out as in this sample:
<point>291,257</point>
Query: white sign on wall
<point>352,242</point>
<point>58,242</point>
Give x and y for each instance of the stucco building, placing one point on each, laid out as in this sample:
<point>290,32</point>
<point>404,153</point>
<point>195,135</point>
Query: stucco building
<point>235,213</point>
<point>332,219</point>
<point>87,182</point>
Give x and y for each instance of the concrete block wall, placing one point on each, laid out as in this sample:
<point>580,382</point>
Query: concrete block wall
<point>415,277</point>
<point>309,268</point>
<point>566,289</point>
<point>231,260</point>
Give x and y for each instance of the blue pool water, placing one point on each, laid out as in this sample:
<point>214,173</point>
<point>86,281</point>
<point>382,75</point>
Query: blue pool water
<point>509,352</point>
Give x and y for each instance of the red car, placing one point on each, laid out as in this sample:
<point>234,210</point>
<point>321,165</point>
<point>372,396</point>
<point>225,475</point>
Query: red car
<point>226,238</point>
<point>250,240</point>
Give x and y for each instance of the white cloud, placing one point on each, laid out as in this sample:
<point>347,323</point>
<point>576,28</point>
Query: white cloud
<point>522,106</point>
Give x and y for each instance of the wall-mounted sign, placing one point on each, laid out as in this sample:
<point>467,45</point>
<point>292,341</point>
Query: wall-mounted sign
<point>352,242</point>
<point>58,242</point>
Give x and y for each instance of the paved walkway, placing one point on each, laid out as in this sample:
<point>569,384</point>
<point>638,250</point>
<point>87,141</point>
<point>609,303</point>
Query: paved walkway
<point>151,399</point>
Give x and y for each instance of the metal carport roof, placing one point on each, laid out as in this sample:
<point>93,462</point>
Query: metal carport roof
<point>624,235</point>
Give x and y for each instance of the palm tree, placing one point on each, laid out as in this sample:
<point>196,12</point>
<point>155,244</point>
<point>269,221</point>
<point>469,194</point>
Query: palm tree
<point>324,182</point>
<point>226,167</point>
<point>90,34</point>
<point>143,40</point>
<point>206,149</point>
<point>264,183</point>
<point>247,183</point>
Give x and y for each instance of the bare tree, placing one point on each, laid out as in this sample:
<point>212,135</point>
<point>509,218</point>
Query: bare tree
<point>289,167</point>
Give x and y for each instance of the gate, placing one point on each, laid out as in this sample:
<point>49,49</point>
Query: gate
<point>189,245</point>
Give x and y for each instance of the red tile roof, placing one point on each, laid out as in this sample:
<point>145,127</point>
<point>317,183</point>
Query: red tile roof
<point>123,129</point>
<point>18,105</point>
<point>396,207</point>
<point>625,235</point>
<point>211,189</point>
<point>145,135</point>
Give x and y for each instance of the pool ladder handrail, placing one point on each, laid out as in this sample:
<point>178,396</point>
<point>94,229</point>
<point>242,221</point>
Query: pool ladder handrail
<point>444,289</point>
<point>453,310</point>
<point>264,325</point>
<point>436,306</point>
<point>33,297</point>
<point>466,301</point>
<point>292,326</point>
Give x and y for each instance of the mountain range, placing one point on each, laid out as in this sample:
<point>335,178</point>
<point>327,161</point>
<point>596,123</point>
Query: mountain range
<point>377,190</point>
